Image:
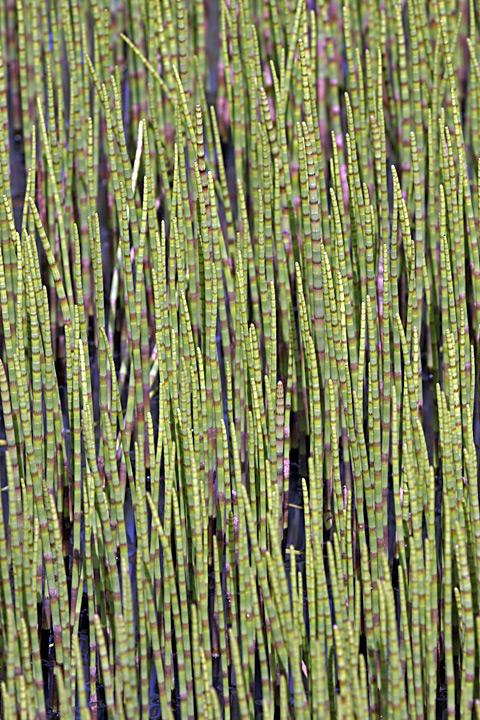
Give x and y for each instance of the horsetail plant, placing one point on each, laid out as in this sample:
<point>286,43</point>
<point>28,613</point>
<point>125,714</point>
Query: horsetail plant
<point>239,328</point>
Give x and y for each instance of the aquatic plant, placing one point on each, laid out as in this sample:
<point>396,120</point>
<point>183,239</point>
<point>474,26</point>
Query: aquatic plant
<point>239,296</point>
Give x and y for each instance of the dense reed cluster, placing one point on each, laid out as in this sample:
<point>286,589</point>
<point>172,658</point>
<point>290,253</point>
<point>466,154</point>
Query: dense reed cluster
<point>239,325</point>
